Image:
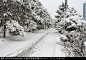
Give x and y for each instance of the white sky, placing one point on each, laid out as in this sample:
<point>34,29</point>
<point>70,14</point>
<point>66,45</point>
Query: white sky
<point>52,5</point>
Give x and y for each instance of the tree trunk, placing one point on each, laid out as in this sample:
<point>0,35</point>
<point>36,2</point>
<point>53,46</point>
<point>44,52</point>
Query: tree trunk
<point>4,31</point>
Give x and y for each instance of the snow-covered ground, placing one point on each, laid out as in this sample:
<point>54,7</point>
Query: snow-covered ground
<point>49,47</point>
<point>43,43</point>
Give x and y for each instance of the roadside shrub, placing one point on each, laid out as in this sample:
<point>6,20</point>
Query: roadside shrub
<point>74,44</point>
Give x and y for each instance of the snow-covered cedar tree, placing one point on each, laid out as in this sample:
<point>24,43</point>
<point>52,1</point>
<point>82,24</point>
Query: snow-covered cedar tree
<point>14,28</point>
<point>68,20</point>
<point>75,43</point>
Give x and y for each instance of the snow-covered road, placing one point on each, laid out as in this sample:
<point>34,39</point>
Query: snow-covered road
<point>42,44</point>
<point>51,47</point>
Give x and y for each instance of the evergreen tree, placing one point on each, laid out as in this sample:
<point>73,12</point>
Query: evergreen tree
<point>28,14</point>
<point>68,20</point>
<point>60,12</point>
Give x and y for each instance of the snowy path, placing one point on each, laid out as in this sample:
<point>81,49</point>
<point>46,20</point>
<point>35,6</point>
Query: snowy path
<point>16,44</point>
<point>51,47</point>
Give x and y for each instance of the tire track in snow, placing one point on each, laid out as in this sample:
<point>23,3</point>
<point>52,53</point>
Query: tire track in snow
<point>48,48</point>
<point>42,52</point>
<point>29,49</point>
<point>38,48</point>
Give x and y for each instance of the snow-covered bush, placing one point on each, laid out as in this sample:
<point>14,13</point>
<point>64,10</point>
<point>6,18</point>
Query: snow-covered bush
<point>75,43</point>
<point>15,28</point>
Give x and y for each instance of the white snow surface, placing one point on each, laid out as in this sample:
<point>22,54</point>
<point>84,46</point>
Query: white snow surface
<point>48,46</point>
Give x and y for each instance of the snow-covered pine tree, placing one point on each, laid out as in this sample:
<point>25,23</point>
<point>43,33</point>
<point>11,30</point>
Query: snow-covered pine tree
<point>73,26</point>
<point>36,13</point>
<point>60,12</point>
<point>29,14</point>
<point>68,20</point>
<point>10,15</point>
